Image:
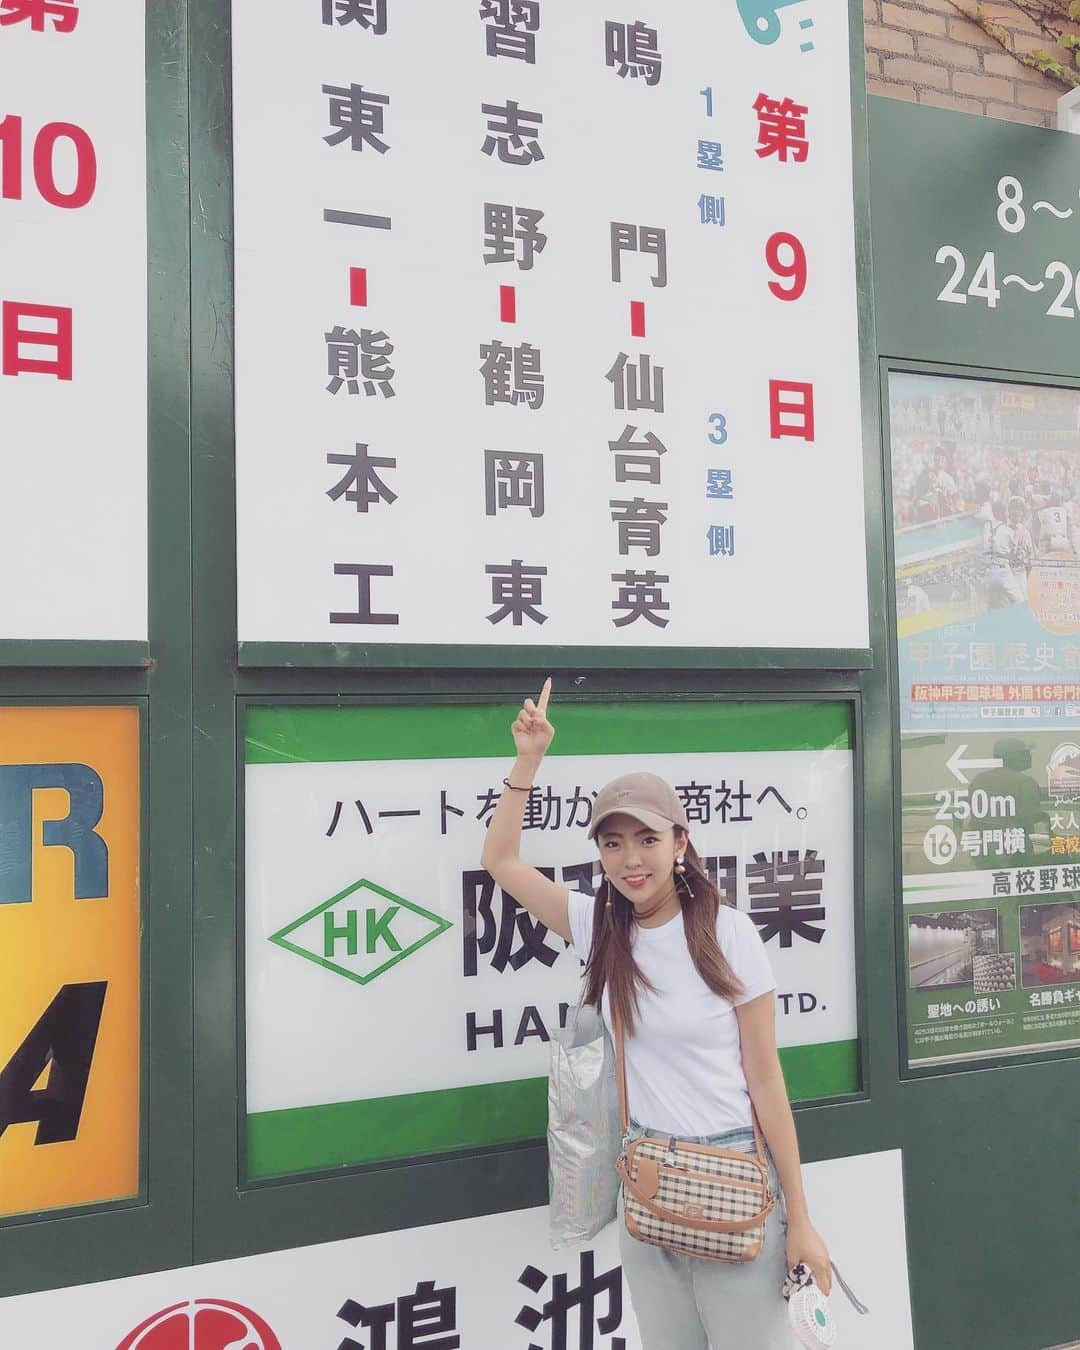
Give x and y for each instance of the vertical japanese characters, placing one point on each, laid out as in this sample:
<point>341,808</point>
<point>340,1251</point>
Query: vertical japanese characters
<point>73,320</point>
<point>36,337</point>
<point>571,392</point>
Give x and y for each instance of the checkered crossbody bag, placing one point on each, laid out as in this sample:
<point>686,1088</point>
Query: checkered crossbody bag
<point>694,1199</point>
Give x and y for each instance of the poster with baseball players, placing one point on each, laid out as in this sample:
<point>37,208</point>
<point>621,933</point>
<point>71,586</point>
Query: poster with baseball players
<point>986,516</point>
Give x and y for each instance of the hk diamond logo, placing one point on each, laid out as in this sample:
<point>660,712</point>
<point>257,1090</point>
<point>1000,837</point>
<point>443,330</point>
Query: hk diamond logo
<point>362,932</point>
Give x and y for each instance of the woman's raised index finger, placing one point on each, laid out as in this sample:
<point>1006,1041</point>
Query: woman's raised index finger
<point>545,694</point>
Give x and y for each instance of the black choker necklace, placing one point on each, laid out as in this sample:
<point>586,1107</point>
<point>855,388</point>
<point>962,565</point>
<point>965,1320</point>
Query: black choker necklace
<point>656,909</point>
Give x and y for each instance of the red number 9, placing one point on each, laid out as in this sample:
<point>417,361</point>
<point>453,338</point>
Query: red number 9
<point>793,270</point>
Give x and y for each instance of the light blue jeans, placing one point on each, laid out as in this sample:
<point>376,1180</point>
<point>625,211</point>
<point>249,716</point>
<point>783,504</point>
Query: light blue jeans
<point>688,1303</point>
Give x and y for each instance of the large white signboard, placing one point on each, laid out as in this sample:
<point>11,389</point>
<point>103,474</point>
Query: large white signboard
<point>399,1002</point>
<point>479,1284</point>
<point>546,324</point>
<point>73,328</point>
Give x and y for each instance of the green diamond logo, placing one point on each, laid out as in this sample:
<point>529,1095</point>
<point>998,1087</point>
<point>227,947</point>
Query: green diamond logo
<point>361,932</point>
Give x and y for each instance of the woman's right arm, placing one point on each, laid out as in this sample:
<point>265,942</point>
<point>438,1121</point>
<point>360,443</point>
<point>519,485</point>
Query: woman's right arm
<point>543,899</point>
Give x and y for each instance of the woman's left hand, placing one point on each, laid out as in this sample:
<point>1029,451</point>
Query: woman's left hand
<point>805,1244</point>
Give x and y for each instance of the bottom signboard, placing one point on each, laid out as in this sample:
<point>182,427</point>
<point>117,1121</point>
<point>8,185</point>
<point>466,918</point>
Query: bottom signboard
<point>491,1283</point>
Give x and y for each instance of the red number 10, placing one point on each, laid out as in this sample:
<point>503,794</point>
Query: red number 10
<point>793,270</point>
<point>11,170</point>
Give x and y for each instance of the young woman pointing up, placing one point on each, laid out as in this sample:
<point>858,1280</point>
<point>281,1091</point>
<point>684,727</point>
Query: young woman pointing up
<point>688,981</point>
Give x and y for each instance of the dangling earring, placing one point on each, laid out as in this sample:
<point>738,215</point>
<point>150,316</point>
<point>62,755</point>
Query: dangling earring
<point>680,866</point>
<point>607,890</point>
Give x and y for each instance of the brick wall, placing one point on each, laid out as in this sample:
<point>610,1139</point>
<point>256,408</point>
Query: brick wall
<point>924,51</point>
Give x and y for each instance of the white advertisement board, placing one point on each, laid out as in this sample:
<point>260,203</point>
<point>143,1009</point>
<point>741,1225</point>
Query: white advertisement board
<point>546,325</point>
<point>73,326</point>
<point>479,1284</point>
<point>399,1002</point>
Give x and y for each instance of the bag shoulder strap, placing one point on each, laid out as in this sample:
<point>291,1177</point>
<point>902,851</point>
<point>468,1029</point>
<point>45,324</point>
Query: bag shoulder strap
<point>620,1069</point>
<point>624,1096</point>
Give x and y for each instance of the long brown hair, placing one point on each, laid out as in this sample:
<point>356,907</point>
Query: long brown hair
<point>611,963</point>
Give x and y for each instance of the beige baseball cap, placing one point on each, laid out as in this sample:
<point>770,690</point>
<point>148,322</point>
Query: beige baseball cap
<point>644,796</point>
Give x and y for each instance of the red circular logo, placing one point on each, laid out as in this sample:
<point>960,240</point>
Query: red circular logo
<point>202,1324</point>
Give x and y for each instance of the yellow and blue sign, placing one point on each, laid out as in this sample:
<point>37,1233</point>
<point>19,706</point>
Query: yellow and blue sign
<point>69,956</point>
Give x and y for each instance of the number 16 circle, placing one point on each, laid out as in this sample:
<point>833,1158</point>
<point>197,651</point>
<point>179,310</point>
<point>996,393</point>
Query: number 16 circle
<point>939,845</point>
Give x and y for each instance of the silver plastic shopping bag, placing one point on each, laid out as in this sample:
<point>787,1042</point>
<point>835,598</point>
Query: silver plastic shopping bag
<point>583,1129</point>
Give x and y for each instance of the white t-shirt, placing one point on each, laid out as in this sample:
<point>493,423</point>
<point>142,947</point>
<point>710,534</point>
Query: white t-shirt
<point>683,1064</point>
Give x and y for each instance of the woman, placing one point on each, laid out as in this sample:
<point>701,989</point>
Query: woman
<point>695,992</point>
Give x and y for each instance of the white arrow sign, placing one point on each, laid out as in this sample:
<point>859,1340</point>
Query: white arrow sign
<point>956,764</point>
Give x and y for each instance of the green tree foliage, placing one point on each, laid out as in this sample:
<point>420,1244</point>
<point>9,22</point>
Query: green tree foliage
<point>1054,19</point>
